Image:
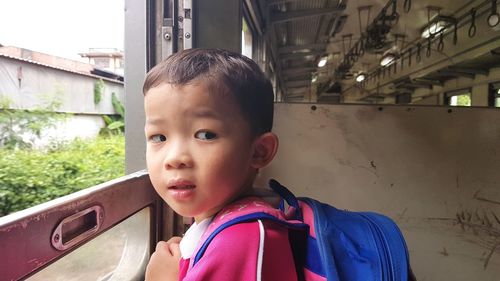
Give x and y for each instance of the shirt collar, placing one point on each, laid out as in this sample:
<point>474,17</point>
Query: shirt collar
<point>192,237</point>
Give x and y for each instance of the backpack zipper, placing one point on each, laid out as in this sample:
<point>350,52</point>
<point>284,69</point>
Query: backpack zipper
<point>380,239</point>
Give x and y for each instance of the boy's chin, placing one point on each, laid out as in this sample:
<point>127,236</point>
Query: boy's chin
<point>182,213</point>
<point>187,216</point>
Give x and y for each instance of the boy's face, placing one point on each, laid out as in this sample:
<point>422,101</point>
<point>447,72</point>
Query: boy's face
<point>199,148</point>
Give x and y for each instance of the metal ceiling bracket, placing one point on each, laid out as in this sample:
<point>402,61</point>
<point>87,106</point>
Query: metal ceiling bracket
<point>337,25</point>
<point>362,9</point>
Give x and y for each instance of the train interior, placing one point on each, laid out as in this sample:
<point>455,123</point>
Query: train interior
<point>382,105</point>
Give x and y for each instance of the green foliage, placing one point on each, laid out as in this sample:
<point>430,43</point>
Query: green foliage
<point>19,128</point>
<point>98,91</point>
<point>31,177</point>
<point>115,124</point>
<point>463,100</point>
<point>117,105</point>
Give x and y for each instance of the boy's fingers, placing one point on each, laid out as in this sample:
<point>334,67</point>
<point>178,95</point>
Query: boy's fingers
<point>161,246</point>
<point>171,247</point>
<point>174,249</point>
<point>175,239</point>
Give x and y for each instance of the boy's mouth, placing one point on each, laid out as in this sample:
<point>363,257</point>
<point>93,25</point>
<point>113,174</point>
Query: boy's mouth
<point>182,187</point>
<point>180,184</point>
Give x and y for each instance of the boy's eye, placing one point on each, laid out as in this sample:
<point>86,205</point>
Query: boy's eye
<point>205,135</point>
<point>158,138</point>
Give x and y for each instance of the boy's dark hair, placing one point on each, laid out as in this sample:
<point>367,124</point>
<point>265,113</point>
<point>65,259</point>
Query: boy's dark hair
<point>226,70</point>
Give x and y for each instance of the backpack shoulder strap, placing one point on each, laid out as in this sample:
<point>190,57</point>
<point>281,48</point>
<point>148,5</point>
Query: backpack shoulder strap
<point>245,210</point>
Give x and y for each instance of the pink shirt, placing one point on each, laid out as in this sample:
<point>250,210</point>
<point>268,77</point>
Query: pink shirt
<point>257,250</point>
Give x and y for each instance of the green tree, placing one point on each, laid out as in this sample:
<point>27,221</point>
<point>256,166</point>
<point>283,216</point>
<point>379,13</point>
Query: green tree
<point>31,177</point>
<point>20,127</point>
<point>463,100</point>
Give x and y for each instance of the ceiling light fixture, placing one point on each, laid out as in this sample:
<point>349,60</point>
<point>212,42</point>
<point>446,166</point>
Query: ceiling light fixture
<point>360,77</point>
<point>387,59</point>
<point>494,17</point>
<point>436,26</point>
<point>433,29</point>
<point>322,61</point>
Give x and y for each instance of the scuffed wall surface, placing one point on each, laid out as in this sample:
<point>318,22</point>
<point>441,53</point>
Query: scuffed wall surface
<point>434,171</point>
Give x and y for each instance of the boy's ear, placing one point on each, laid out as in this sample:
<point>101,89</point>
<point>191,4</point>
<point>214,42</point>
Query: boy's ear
<point>265,148</point>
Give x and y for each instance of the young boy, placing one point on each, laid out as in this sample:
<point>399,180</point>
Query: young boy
<point>209,116</point>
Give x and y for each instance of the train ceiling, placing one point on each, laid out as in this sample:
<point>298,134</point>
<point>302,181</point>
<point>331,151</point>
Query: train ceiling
<point>423,43</point>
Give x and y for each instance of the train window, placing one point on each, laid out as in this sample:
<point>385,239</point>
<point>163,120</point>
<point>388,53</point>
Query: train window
<point>458,98</point>
<point>246,40</point>
<point>494,95</point>
<point>120,253</point>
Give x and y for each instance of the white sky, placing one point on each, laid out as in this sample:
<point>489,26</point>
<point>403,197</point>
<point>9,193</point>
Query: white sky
<point>62,27</point>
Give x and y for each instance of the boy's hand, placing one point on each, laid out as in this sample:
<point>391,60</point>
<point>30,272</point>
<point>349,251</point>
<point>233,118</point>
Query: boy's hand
<point>164,262</point>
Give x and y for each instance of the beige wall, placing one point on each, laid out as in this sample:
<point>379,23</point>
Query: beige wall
<point>479,95</point>
<point>435,172</point>
<point>40,85</point>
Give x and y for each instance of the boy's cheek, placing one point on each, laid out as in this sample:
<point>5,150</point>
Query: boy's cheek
<point>152,169</point>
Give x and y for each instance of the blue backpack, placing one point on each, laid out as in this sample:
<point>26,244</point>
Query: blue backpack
<point>339,245</point>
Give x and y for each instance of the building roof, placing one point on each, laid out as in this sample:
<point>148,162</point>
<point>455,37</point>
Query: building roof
<point>54,62</point>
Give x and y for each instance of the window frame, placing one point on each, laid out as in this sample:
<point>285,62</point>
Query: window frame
<point>25,236</point>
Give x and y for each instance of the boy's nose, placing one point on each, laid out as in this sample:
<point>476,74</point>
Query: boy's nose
<point>178,163</point>
<point>177,158</point>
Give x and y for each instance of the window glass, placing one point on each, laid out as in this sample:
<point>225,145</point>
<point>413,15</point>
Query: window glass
<point>120,253</point>
<point>459,98</point>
